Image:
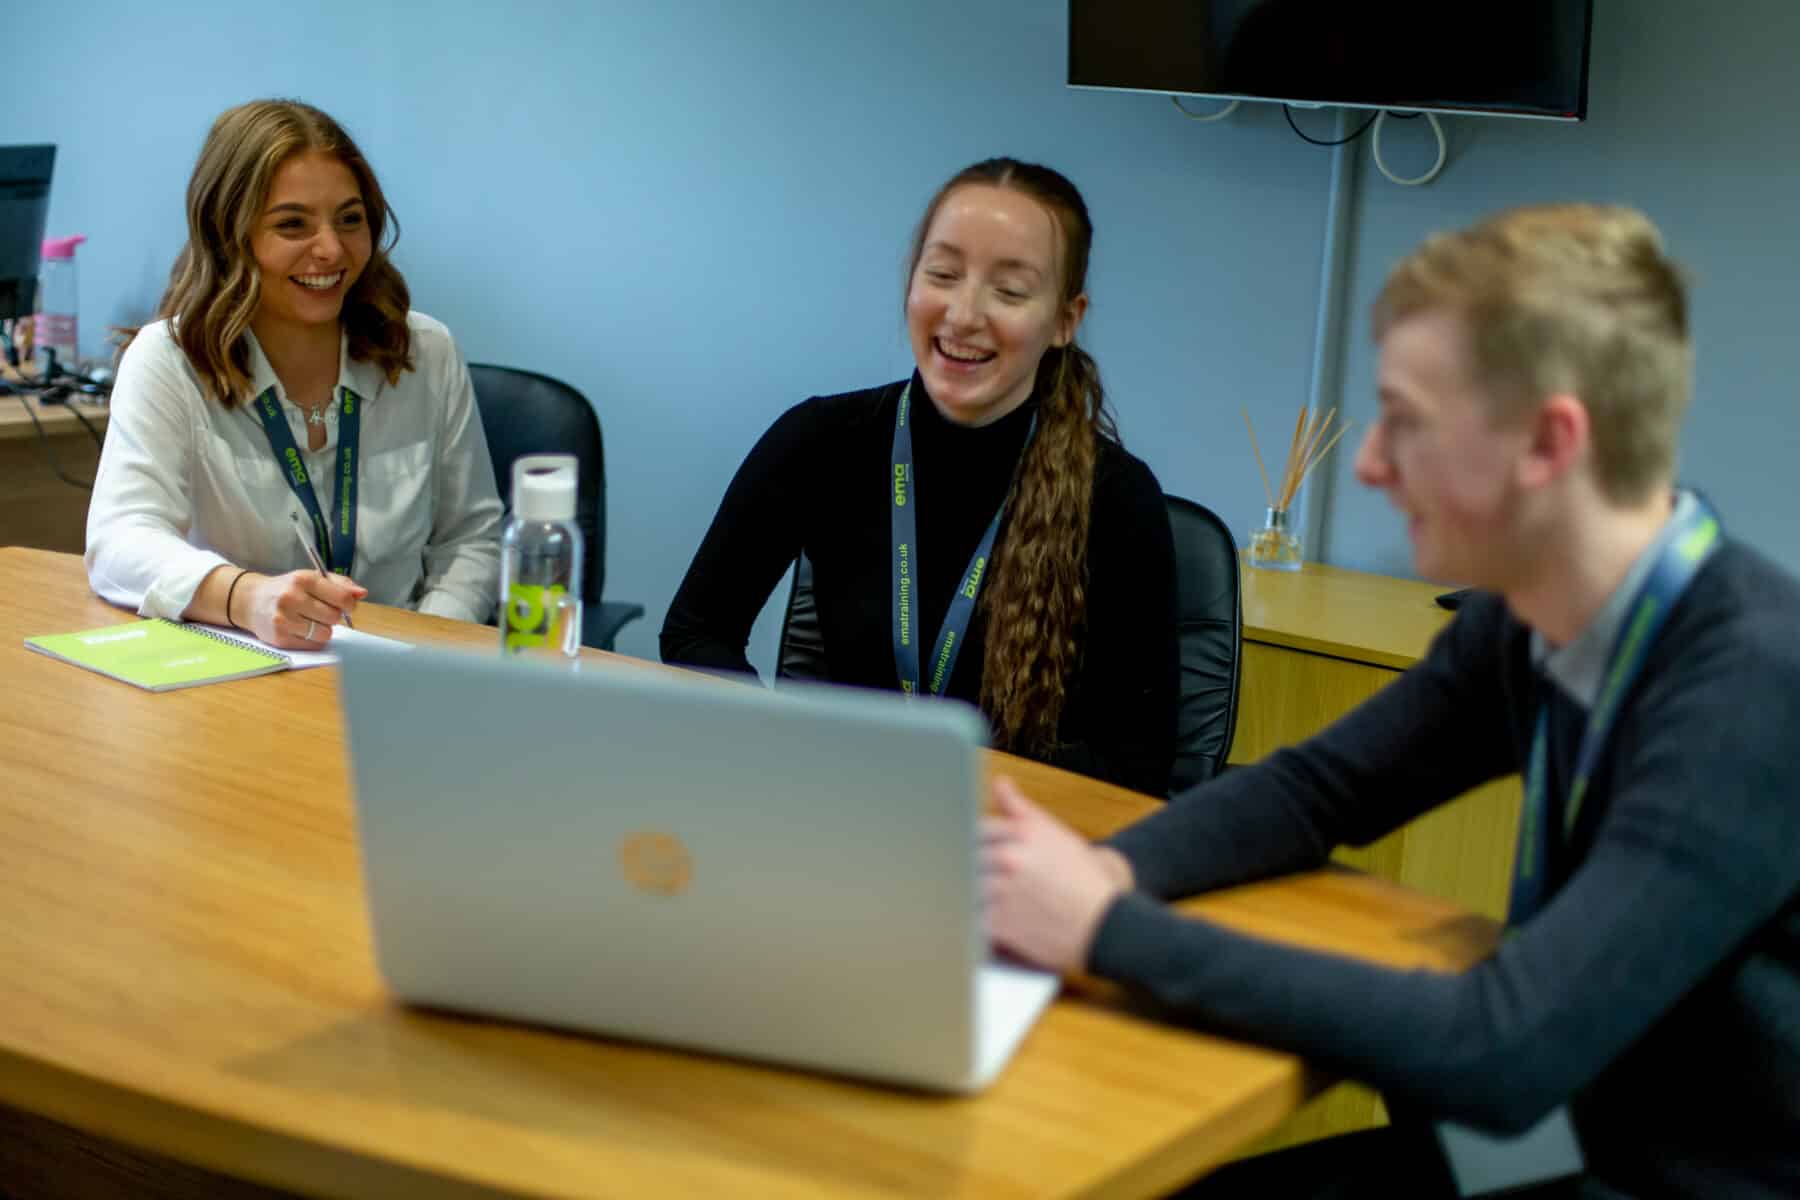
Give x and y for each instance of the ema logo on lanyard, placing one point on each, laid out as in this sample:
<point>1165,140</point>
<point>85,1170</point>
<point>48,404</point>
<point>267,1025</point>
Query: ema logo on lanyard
<point>974,584</point>
<point>337,546</point>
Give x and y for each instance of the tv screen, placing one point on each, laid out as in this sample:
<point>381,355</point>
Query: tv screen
<point>1525,58</point>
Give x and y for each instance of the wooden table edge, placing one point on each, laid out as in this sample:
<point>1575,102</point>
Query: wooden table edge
<point>217,1141</point>
<point>1183,1157</point>
<point>1328,648</point>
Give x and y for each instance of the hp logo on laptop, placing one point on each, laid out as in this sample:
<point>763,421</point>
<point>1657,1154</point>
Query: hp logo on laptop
<point>657,863</point>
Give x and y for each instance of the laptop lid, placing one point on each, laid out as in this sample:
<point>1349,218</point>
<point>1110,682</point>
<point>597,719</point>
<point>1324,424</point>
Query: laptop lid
<point>787,877</point>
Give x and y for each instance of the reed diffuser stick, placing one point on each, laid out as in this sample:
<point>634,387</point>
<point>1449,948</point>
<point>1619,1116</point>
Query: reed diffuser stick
<point>1254,449</point>
<point>1303,460</point>
<point>1287,473</point>
<point>1314,460</point>
<point>1290,473</point>
<point>1324,426</point>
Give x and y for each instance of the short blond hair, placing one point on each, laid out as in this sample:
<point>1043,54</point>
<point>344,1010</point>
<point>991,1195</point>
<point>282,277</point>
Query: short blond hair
<point>1576,298</point>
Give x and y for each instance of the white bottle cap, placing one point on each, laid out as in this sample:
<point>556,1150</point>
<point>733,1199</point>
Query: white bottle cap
<point>544,487</point>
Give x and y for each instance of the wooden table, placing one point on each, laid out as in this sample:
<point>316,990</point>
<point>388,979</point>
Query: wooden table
<point>37,508</point>
<point>1317,643</point>
<point>185,967</point>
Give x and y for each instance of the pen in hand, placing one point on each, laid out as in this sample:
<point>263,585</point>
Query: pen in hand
<point>312,555</point>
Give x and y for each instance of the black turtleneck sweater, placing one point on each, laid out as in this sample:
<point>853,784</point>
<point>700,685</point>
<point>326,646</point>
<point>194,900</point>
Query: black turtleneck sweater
<point>820,480</point>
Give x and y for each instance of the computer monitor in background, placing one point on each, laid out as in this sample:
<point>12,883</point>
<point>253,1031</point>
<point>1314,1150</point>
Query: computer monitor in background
<point>24,203</point>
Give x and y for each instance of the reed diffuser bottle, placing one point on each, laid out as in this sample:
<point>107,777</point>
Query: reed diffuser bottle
<point>1275,545</point>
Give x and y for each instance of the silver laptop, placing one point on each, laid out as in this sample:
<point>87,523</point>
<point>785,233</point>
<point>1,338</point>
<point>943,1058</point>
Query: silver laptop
<point>792,877</point>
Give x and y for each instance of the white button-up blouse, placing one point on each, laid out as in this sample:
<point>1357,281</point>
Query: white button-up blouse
<point>185,485</point>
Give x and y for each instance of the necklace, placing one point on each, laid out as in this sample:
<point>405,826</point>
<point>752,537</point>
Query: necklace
<point>316,416</point>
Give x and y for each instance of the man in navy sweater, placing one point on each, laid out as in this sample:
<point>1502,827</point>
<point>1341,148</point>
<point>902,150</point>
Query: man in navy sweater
<point>1639,668</point>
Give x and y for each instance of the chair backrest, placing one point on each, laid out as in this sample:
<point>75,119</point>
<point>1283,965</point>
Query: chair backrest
<point>523,412</point>
<point>1209,630</point>
<point>802,654</point>
<point>1209,627</point>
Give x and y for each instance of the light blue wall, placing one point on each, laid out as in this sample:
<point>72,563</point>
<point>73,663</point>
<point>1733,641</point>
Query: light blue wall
<point>696,212</point>
<point>1691,118</point>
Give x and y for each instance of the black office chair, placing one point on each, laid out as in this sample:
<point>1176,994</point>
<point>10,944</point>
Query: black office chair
<point>523,413</point>
<point>1209,630</point>
<point>802,644</point>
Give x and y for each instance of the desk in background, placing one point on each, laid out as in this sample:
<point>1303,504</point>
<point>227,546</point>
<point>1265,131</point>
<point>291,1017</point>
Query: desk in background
<point>37,508</point>
<point>185,967</point>
<point>1317,643</point>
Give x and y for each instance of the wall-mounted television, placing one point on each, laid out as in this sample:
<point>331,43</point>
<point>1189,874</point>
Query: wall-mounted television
<point>1515,58</point>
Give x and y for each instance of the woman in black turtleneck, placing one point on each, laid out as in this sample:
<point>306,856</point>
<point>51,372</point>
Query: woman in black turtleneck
<point>1069,647</point>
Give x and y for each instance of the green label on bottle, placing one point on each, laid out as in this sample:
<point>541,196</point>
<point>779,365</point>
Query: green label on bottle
<point>527,615</point>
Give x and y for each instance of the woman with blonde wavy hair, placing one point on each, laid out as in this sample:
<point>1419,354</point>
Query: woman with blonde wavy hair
<point>287,384</point>
<point>976,531</point>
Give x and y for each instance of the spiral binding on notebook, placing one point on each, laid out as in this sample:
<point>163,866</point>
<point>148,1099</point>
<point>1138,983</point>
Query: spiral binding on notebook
<point>241,643</point>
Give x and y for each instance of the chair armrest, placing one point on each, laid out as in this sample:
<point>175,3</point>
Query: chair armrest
<point>600,623</point>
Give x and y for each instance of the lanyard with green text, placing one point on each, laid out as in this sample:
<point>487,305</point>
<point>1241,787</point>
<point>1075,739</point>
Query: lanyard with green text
<point>962,604</point>
<point>1691,543</point>
<point>337,544</point>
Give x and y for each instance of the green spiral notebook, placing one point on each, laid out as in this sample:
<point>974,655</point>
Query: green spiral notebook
<point>159,655</point>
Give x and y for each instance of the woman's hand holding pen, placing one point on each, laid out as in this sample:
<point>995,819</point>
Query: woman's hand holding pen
<point>295,611</point>
<point>317,586</point>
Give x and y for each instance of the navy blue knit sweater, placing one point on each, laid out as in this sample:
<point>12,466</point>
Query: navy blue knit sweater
<point>1658,991</point>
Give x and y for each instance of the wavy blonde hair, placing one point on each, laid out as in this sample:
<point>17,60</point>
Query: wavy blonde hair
<point>1576,298</point>
<point>216,285</point>
<point>1035,602</point>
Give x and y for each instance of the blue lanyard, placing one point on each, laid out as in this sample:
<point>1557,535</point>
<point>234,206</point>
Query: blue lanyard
<point>954,633</point>
<point>1691,543</point>
<point>337,545</point>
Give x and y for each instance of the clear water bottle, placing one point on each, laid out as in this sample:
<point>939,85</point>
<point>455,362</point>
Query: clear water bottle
<point>540,560</point>
<point>54,328</point>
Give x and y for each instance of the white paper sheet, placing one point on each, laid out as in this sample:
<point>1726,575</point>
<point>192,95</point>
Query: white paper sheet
<point>303,659</point>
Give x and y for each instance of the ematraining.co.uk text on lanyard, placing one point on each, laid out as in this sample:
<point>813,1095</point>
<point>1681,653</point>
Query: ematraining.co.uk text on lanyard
<point>954,632</point>
<point>337,542</point>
